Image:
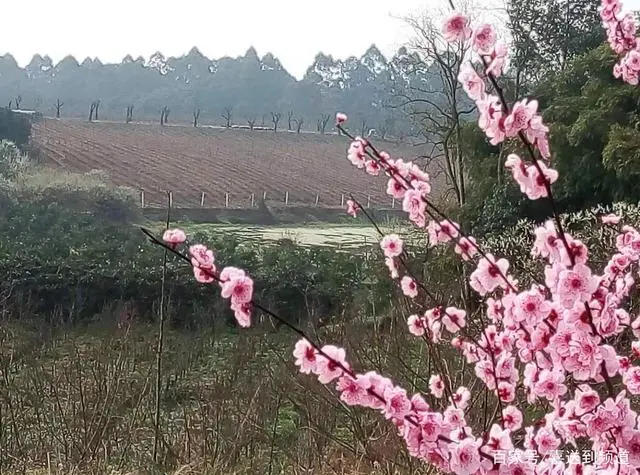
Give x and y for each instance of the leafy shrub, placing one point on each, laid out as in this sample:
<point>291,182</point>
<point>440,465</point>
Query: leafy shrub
<point>70,245</point>
<point>14,127</point>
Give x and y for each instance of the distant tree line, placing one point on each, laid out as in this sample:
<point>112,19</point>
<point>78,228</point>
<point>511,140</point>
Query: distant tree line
<point>249,90</point>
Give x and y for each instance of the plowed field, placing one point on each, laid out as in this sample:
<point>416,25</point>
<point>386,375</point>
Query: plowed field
<point>189,161</point>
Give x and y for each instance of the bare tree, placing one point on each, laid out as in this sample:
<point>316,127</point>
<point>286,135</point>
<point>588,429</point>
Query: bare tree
<point>97,108</point>
<point>227,115</point>
<point>129,113</point>
<point>164,115</point>
<point>299,123</point>
<point>18,101</point>
<point>10,103</point>
<point>291,120</point>
<point>251,122</point>
<point>264,119</point>
<point>323,122</point>
<point>58,105</point>
<point>434,100</point>
<point>93,111</point>
<point>275,118</point>
<point>196,116</point>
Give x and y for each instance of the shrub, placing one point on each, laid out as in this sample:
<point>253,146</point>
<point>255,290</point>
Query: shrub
<point>14,127</point>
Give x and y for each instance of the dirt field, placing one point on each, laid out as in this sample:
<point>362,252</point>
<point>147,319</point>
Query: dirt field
<point>189,161</point>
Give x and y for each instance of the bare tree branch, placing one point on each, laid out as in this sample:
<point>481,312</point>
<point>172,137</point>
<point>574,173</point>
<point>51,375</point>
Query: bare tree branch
<point>227,115</point>
<point>275,118</point>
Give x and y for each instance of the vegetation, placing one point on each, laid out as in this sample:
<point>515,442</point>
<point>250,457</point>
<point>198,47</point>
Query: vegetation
<point>250,86</point>
<point>82,290</point>
<point>14,127</point>
<point>593,119</point>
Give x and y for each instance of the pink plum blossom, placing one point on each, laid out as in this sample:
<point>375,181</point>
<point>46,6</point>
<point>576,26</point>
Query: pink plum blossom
<point>484,39</point>
<point>391,245</point>
<point>352,208</point>
<point>173,237</point>
<point>330,363</point>
<point>409,287</point>
<point>456,28</point>
<point>306,356</point>
<point>436,385</point>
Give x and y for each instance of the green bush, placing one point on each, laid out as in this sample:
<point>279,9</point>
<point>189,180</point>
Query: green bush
<point>71,245</point>
<point>14,127</point>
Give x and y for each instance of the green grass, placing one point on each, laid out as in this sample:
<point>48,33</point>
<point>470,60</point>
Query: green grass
<point>333,235</point>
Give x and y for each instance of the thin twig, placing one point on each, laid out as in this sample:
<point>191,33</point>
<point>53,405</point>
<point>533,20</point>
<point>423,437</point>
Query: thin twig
<point>156,435</point>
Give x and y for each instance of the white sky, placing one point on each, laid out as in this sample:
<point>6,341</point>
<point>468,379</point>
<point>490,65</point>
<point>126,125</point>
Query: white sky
<point>293,30</point>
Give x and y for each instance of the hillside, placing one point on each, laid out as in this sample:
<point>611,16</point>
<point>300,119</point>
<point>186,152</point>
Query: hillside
<point>252,87</point>
<point>217,161</point>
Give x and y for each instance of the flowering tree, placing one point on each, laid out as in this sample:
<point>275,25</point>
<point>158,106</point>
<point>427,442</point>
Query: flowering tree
<point>545,354</point>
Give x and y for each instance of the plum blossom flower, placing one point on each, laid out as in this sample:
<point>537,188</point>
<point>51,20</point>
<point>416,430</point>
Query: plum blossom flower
<point>465,456</point>
<point>536,185</point>
<point>489,274</point>
<point>550,385</point>
<point>575,285</point>
<point>173,237</point>
<point>356,154</point>
<point>239,287</point>
<point>242,313</point>
<point>466,248</point>
<point>352,208</point>
<point>341,118</point>
<point>353,391</point>
<point>456,28</point>
<point>398,404</point>
<point>417,325</point>
<point>631,379</point>
<point>201,256</point>
<point>202,260</point>
<point>586,399</point>
<point>512,418</point>
<point>454,319</point>
<point>204,275</point>
<point>484,39</point>
<point>415,205</point>
<point>391,265</point>
<point>472,84</point>
<point>521,115</point>
<point>442,232</point>
<point>531,307</point>
<point>396,188</point>
<point>409,287</point>
<point>498,59</point>
<point>329,363</point>
<point>372,167</point>
<point>490,118</point>
<point>305,355</point>
<point>391,245</point>
<point>436,385</point>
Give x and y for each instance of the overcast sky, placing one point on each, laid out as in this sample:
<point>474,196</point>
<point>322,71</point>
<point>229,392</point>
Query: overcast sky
<point>293,30</point>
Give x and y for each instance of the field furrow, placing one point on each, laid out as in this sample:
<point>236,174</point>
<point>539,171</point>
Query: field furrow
<point>219,162</point>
